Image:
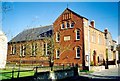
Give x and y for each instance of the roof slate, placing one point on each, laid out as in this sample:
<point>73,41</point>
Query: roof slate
<point>31,34</point>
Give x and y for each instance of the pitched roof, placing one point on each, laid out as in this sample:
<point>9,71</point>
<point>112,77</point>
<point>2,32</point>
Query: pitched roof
<point>75,13</point>
<point>67,9</point>
<point>32,34</point>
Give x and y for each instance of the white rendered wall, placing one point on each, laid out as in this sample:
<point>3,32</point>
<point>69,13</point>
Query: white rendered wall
<point>3,49</point>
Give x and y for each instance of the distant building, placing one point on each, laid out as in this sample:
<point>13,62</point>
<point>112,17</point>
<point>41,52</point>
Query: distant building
<point>3,49</point>
<point>118,49</point>
<point>111,47</point>
<point>29,47</point>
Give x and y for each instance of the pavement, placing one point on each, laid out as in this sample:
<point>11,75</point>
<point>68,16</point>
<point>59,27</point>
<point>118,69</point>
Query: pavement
<point>111,73</point>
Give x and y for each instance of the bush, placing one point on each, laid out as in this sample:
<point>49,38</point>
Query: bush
<point>92,63</point>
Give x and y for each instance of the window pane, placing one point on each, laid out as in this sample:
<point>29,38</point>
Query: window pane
<point>78,34</point>
<point>67,25</point>
<point>57,53</point>
<point>63,26</point>
<point>57,37</point>
<point>78,52</point>
<point>72,24</point>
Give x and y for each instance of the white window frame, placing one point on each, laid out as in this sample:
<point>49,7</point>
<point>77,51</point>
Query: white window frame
<point>57,53</point>
<point>67,23</point>
<point>34,47</point>
<point>23,49</point>
<point>77,52</point>
<point>92,38</point>
<point>20,50</point>
<point>62,25</point>
<point>57,37</point>
<point>77,34</point>
<point>71,24</point>
<point>42,48</point>
<point>46,50</point>
<point>13,49</point>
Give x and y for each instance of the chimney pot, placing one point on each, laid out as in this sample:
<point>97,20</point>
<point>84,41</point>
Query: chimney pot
<point>92,23</point>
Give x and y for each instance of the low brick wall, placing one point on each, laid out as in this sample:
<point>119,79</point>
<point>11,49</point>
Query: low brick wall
<point>48,75</point>
<point>59,74</point>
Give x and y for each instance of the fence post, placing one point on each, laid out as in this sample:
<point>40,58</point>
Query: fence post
<point>12,73</point>
<point>63,66</point>
<point>76,70</point>
<point>36,70</point>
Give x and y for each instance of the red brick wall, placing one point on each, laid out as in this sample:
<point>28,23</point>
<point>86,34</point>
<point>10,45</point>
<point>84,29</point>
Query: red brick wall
<point>27,59</point>
<point>69,56</point>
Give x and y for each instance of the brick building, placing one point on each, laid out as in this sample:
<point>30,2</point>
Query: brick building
<point>30,47</point>
<point>75,42</point>
<point>69,35</point>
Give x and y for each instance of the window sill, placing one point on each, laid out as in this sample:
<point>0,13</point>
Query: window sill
<point>33,56</point>
<point>57,41</point>
<point>77,57</point>
<point>67,28</point>
<point>21,56</point>
<point>12,54</point>
<point>77,39</point>
<point>57,58</point>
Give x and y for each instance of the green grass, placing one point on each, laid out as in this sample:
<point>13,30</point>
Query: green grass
<point>86,71</point>
<point>7,75</point>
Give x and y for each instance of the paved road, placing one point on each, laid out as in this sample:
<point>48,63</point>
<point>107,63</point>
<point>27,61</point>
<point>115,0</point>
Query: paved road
<point>111,74</point>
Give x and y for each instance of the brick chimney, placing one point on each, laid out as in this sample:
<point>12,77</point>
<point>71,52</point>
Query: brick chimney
<point>106,32</point>
<point>92,23</point>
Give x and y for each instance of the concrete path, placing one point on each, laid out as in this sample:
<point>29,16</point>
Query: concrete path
<point>108,72</point>
<point>112,73</point>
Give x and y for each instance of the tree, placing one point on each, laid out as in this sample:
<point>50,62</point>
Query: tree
<point>52,47</point>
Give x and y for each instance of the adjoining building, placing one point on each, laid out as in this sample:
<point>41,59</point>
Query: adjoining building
<point>95,45</point>
<point>112,53</point>
<point>3,49</point>
<point>29,47</point>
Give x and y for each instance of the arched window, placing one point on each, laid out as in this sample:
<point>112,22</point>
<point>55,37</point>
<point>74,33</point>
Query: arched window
<point>78,52</point>
<point>72,24</point>
<point>67,24</point>
<point>62,25</point>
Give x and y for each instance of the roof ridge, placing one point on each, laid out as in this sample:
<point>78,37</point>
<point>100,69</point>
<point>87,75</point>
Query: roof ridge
<point>37,27</point>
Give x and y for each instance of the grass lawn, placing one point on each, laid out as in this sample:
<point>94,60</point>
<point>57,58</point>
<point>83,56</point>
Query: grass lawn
<point>86,71</point>
<point>7,73</point>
